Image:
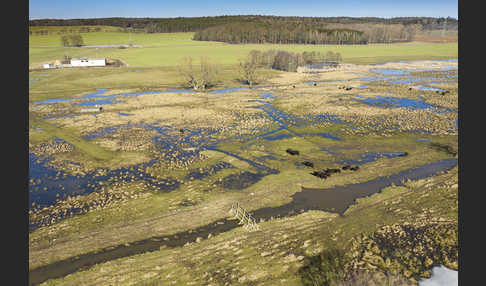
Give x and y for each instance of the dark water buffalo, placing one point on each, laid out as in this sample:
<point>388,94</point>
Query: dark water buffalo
<point>308,164</point>
<point>292,152</point>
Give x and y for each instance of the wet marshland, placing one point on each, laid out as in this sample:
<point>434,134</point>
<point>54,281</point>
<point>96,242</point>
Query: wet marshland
<point>180,147</point>
<point>336,200</point>
<point>178,152</point>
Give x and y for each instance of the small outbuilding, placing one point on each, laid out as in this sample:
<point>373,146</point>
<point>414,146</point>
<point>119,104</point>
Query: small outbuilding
<point>85,62</point>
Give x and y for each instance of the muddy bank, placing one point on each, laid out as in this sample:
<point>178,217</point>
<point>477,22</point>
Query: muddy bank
<point>336,199</point>
<point>84,261</point>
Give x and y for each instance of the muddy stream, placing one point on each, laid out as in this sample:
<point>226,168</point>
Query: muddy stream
<point>335,200</point>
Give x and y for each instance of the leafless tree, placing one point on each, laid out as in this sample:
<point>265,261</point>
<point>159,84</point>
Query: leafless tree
<point>198,78</point>
<point>248,68</point>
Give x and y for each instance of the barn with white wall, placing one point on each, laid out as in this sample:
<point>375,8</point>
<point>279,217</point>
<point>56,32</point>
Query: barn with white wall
<point>85,62</point>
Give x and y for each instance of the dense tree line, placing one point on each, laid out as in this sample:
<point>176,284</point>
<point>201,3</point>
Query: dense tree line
<point>281,33</point>
<point>64,31</point>
<point>192,24</point>
<point>307,33</point>
<point>288,61</point>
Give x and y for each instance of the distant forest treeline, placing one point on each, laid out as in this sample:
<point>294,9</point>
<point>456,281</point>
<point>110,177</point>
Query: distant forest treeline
<point>272,29</point>
<point>193,24</point>
<point>307,33</point>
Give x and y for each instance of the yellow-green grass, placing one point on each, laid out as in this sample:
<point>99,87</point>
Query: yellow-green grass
<point>272,190</point>
<point>168,49</point>
<point>74,82</point>
<point>92,150</point>
<point>269,255</point>
<point>117,38</point>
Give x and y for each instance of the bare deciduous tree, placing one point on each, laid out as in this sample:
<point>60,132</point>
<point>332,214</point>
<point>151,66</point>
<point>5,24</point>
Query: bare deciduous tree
<point>198,79</point>
<point>248,68</point>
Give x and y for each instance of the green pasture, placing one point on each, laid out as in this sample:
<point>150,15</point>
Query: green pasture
<point>57,83</point>
<point>167,49</point>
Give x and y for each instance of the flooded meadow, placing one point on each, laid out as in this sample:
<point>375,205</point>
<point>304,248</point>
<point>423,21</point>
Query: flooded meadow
<point>161,168</point>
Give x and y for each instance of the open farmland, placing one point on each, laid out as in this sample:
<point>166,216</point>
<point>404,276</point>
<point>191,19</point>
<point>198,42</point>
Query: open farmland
<point>168,49</point>
<point>140,191</point>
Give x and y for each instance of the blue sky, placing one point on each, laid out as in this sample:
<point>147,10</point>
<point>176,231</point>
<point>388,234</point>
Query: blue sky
<point>65,9</point>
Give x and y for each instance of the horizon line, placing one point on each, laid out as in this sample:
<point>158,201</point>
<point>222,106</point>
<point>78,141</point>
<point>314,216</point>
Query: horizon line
<point>226,15</point>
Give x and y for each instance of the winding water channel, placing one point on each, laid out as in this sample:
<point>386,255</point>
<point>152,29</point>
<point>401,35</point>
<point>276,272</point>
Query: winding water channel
<point>336,200</point>
<point>48,185</point>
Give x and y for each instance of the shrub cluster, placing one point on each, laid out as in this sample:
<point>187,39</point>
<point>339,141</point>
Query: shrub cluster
<point>288,61</point>
<point>72,40</point>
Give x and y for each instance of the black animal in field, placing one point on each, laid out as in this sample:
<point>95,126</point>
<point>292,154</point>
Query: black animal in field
<point>292,152</point>
<point>308,164</point>
<point>332,171</point>
<point>320,174</point>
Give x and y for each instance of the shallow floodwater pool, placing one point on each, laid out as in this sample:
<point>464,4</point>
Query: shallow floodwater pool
<point>390,71</point>
<point>395,102</point>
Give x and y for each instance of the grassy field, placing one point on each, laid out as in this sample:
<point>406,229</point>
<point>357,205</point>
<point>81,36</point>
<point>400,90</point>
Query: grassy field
<point>168,49</point>
<point>160,54</point>
<point>276,253</point>
<point>123,212</point>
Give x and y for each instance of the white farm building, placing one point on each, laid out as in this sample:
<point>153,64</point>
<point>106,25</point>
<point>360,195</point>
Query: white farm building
<point>85,62</point>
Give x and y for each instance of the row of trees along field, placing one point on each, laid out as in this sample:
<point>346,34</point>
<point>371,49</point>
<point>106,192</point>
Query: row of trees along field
<point>307,33</point>
<point>65,30</point>
<point>72,40</point>
<point>202,76</point>
<point>193,24</point>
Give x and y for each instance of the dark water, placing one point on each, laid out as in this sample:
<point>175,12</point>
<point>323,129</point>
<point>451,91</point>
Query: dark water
<point>171,146</point>
<point>50,185</point>
<point>336,200</point>
<point>84,261</point>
